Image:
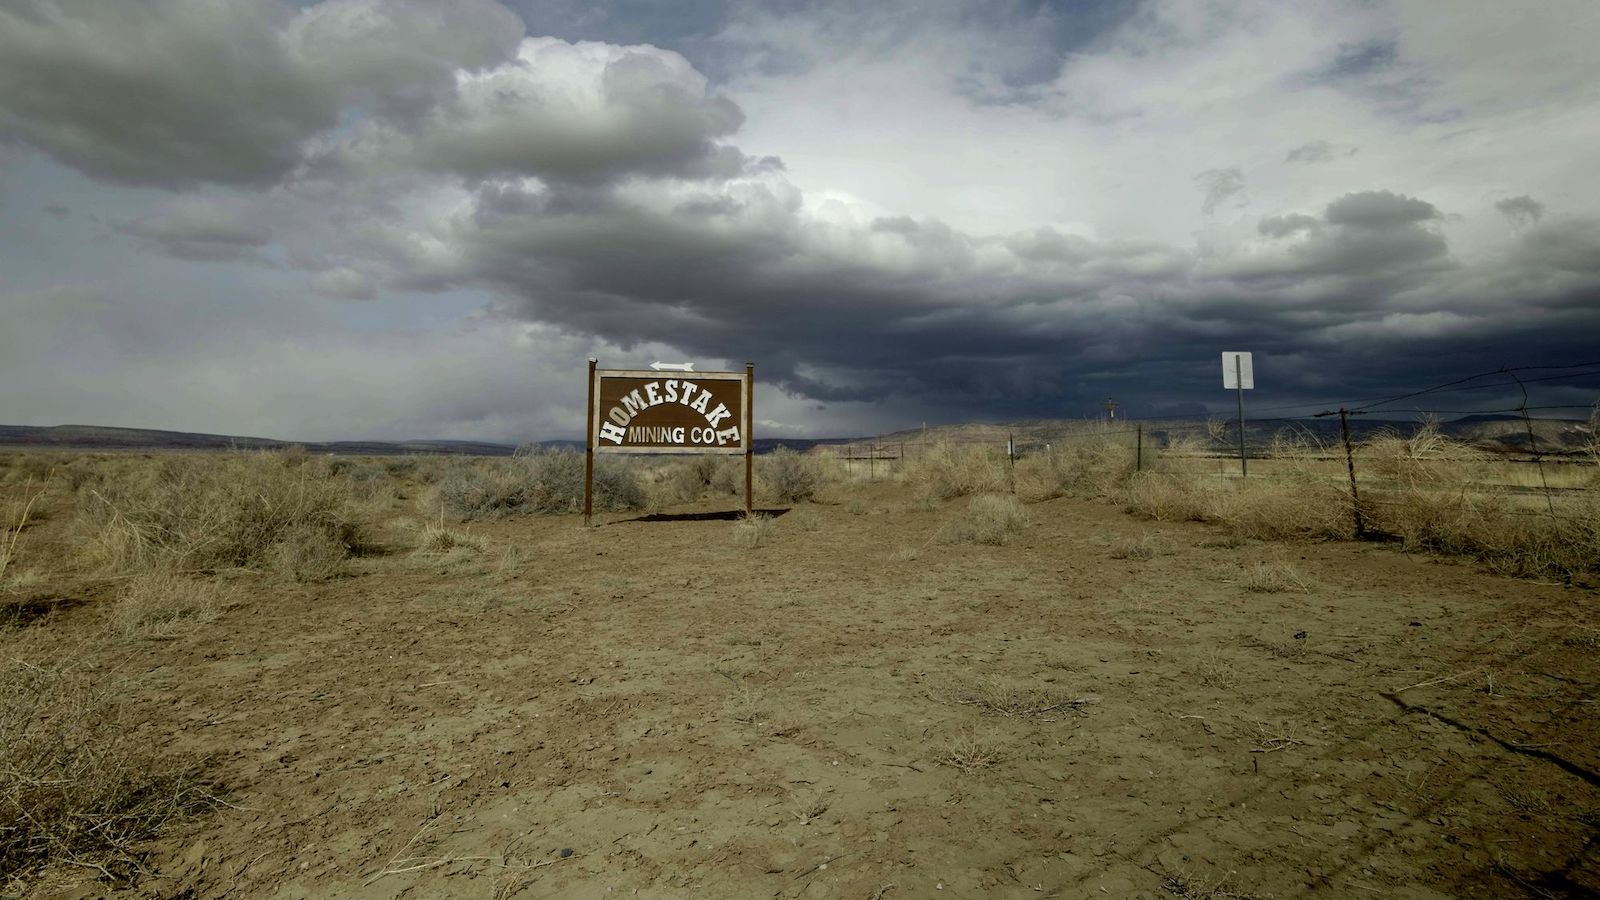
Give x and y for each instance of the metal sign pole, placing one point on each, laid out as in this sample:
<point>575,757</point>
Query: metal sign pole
<point>1238,374</point>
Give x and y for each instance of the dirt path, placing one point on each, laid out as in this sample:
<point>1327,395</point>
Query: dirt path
<point>852,711</point>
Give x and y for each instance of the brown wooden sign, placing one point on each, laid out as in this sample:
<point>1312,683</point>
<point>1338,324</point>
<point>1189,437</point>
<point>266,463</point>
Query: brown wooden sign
<point>670,412</point>
<point>674,411</point>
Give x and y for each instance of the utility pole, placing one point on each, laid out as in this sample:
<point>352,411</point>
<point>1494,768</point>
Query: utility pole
<point>1111,409</point>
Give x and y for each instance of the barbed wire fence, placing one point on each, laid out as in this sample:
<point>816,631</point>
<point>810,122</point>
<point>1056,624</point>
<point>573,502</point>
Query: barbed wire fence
<point>1298,432</point>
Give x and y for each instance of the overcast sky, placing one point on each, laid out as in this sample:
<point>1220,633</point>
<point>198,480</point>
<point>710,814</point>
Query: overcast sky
<point>417,218</point>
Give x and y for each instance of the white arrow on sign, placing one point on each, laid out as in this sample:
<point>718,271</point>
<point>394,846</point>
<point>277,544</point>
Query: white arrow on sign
<point>673,367</point>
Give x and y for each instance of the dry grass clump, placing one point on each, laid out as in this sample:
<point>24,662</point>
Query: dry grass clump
<point>948,470</point>
<point>76,785</point>
<point>441,538</point>
<point>753,531</point>
<point>789,477</point>
<point>1091,462</point>
<point>1424,457</point>
<point>969,753</point>
<point>1145,547</point>
<point>161,605</point>
<point>241,510</point>
<point>28,467</point>
<point>1560,539</point>
<point>690,479</point>
<point>14,517</point>
<point>1173,498</point>
<point>990,519</point>
<point>1273,578</point>
<point>1027,703</point>
<point>542,482</point>
<point>1290,508</point>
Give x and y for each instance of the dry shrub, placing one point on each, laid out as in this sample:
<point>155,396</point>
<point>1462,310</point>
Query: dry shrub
<point>1424,457</point>
<point>242,510</point>
<point>29,467</point>
<point>441,539</point>
<point>1289,508</point>
<point>947,471</point>
<point>1273,578</point>
<point>1487,527</point>
<point>1144,547</point>
<point>970,753</point>
<point>788,476</point>
<point>542,482</point>
<point>160,605</point>
<point>1172,498</point>
<point>990,519</point>
<point>76,784</point>
<point>1090,462</point>
<point>690,479</point>
<point>754,531</point>
<point>14,517</point>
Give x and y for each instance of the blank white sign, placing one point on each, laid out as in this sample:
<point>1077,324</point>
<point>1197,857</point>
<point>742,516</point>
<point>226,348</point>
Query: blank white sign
<point>1236,368</point>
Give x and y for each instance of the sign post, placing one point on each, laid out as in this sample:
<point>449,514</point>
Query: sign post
<point>672,409</point>
<point>588,455</point>
<point>1239,373</point>
<point>749,442</point>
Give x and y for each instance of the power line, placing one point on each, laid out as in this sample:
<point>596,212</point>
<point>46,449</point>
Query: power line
<point>1450,384</point>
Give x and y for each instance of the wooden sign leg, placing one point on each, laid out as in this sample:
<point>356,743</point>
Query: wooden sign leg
<point>588,451</point>
<point>749,439</point>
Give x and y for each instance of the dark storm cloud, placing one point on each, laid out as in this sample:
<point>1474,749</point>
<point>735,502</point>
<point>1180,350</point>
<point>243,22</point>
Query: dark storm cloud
<point>912,310</point>
<point>172,92</point>
<point>1523,210</point>
<point>1379,210</point>
<point>1566,247</point>
<point>1315,152</point>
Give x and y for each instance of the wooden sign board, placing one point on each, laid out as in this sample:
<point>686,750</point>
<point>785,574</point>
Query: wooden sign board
<point>637,411</point>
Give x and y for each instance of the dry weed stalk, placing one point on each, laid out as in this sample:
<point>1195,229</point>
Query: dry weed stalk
<point>162,605</point>
<point>755,530</point>
<point>75,787</point>
<point>969,754</point>
<point>10,535</point>
<point>1272,738</point>
<point>1031,704</point>
<point>1145,547</point>
<point>1273,578</point>
<point>947,471</point>
<point>990,519</point>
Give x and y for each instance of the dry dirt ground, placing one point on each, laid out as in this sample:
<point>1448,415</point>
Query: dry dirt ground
<point>854,710</point>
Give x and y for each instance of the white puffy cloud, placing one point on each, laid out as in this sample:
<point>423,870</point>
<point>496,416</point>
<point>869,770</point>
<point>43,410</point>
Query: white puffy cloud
<point>581,111</point>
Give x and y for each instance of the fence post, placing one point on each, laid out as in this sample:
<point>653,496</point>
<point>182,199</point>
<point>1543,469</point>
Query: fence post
<point>1350,463</point>
<point>1138,447</point>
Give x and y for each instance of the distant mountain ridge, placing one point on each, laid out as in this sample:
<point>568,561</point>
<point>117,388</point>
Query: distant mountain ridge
<point>1491,432</point>
<point>107,437</point>
<point>104,437</point>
